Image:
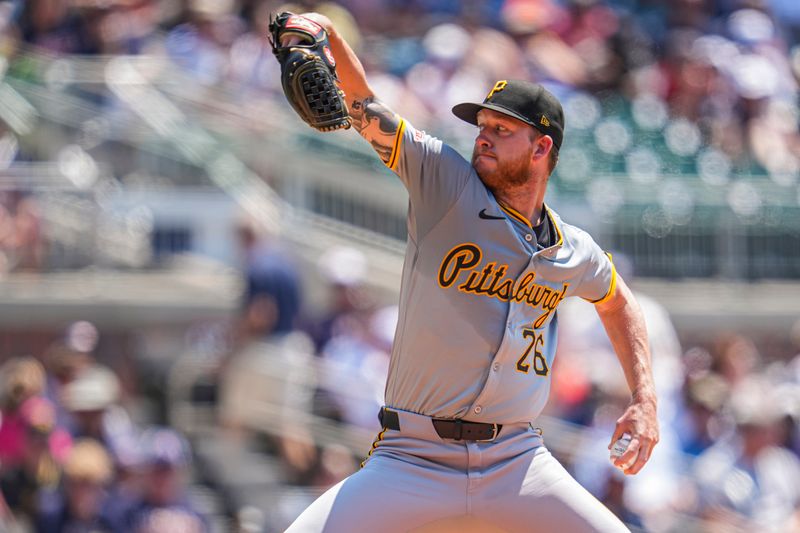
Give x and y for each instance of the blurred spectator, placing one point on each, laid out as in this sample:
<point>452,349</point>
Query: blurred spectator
<point>170,519</point>
<point>736,357</point>
<point>252,66</point>
<point>65,360</point>
<point>82,337</point>
<point>92,399</point>
<point>747,481</point>
<point>126,490</point>
<point>54,26</point>
<point>121,26</point>
<point>787,396</point>
<point>700,424</point>
<point>79,505</point>
<point>199,44</point>
<point>336,463</point>
<point>164,505</point>
<point>30,245</point>
<point>45,446</point>
<point>21,378</point>
<point>344,269</point>
<point>278,372</point>
<point>354,366</point>
<point>272,297</point>
<point>22,242</point>
<point>270,361</point>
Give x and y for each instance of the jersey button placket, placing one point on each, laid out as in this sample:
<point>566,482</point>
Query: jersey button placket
<point>494,380</point>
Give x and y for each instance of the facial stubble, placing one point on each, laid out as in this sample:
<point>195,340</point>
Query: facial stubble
<point>512,173</point>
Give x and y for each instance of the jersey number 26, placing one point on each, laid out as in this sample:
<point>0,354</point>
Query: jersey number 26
<point>536,345</point>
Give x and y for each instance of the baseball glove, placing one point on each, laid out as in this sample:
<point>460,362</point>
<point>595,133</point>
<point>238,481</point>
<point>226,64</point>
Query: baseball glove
<point>308,72</point>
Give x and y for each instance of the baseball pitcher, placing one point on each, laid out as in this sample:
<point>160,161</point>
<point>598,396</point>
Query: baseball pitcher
<point>486,267</point>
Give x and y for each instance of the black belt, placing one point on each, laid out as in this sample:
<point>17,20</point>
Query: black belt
<point>447,428</point>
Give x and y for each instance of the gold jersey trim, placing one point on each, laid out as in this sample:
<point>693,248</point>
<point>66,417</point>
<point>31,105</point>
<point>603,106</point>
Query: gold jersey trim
<point>513,213</point>
<point>398,140</point>
<point>510,211</point>
<point>375,444</point>
<point>555,225</point>
<point>611,288</point>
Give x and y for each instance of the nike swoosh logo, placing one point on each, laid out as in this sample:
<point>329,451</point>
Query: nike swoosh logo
<point>484,215</point>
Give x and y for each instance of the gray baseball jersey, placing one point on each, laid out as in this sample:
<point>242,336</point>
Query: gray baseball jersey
<point>478,328</point>
<point>475,340</point>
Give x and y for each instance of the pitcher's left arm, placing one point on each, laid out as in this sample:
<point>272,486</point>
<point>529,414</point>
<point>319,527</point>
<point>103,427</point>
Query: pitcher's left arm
<point>624,323</point>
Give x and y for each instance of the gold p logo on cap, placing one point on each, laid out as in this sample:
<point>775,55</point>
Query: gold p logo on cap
<point>499,86</point>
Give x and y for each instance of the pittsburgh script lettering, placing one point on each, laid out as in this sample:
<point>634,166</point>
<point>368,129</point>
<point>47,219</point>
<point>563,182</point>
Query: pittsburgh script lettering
<point>491,281</point>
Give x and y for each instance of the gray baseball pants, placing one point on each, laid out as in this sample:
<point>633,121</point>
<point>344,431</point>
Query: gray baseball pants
<point>413,480</point>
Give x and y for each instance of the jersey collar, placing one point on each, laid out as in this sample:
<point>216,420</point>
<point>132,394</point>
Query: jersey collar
<point>557,225</point>
<point>513,213</point>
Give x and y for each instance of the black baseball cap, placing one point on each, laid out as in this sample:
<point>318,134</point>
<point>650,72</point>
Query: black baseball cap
<point>529,102</point>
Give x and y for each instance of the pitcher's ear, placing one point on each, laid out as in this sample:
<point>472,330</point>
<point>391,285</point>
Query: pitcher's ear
<point>543,146</point>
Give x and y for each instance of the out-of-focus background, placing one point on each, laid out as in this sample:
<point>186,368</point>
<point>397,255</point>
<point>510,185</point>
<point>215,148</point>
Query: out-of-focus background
<point>198,292</point>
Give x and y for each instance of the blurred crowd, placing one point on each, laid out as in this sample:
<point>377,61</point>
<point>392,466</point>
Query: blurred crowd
<point>700,87</point>
<point>71,457</point>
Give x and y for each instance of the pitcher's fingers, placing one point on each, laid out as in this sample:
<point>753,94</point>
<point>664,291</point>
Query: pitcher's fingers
<point>619,430</point>
<point>627,459</point>
<point>289,40</point>
<point>643,456</point>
